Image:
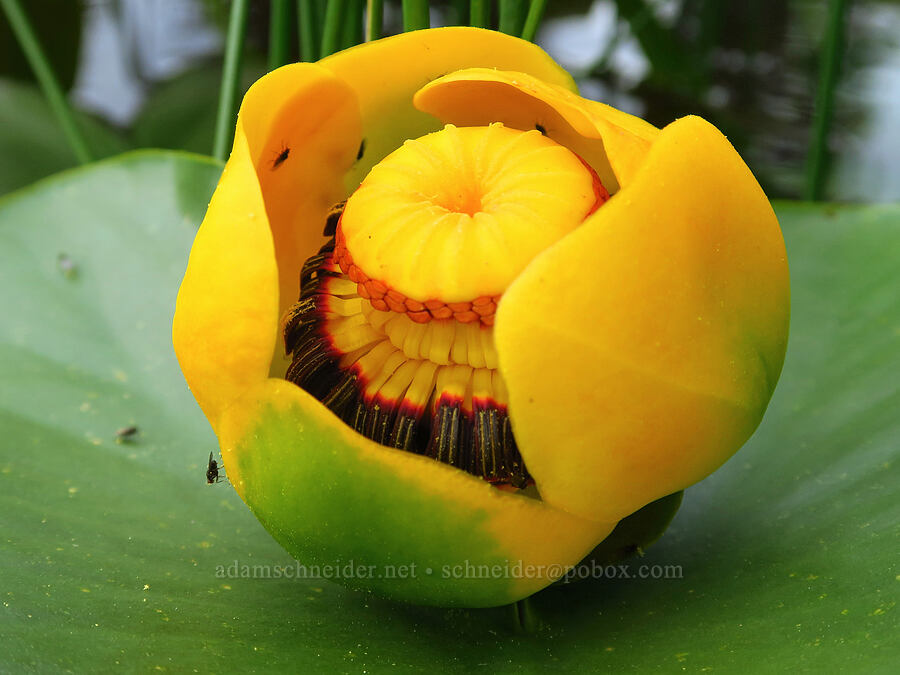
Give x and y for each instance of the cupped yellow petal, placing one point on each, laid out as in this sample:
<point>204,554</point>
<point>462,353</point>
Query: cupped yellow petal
<point>614,143</point>
<point>412,529</point>
<point>641,351</point>
<point>296,136</point>
<point>386,73</point>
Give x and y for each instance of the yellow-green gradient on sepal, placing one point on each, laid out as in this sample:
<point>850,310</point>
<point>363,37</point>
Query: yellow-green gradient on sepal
<point>331,496</point>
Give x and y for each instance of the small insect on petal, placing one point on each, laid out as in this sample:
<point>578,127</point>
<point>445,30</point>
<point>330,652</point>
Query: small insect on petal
<point>213,471</point>
<point>281,157</point>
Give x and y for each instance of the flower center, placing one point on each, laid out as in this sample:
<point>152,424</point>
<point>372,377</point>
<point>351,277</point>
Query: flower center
<point>393,328</point>
<point>458,214</point>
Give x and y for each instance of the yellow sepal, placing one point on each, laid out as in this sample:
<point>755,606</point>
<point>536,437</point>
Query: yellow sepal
<point>641,351</point>
<point>331,496</point>
<point>264,220</point>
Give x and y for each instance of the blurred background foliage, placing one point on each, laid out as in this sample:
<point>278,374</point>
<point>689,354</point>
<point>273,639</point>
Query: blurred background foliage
<point>146,73</point>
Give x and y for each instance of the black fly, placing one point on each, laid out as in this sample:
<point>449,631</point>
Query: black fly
<point>282,156</point>
<point>212,471</point>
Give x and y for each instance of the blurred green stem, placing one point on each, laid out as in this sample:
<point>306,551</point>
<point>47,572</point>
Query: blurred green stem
<point>817,165</point>
<point>307,17</point>
<point>533,20</point>
<point>231,75</point>
<point>523,615</point>
<point>670,61</point>
<point>460,14</point>
<point>45,77</point>
<point>279,32</point>
<point>480,14</point>
<point>331,34</point>
<point>512,16</point>
<point>352,31</point>
<point>415,15</point>
<point>374,17</point>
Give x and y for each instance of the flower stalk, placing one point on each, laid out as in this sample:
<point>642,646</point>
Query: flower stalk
<point>817,166</point>
<point>352,31</point>
<point>309,23</point>
<point>47,79</point>
<point>374,18</point>
<point>231,74</point>
<point>480,14</point>
<point>415,15</point>
<point>331,32</point>
<point>512,16</point>
<point>533,19</point>
<point>279,33</point>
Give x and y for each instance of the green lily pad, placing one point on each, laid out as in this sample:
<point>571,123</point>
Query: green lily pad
<point>115,553</point>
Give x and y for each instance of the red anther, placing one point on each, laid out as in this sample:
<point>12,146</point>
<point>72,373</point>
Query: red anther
<point>377,288</point>
<point>442,312</point>
<point>386,299</point>
<point>466,317</point>
<point>394,305</point>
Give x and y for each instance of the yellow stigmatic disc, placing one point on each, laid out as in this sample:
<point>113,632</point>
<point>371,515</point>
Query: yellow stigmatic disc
<point>456,215</point>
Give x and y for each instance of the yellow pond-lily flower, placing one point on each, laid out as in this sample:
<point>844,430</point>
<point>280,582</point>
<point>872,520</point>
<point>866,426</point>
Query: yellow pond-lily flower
<point>452,322</point>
